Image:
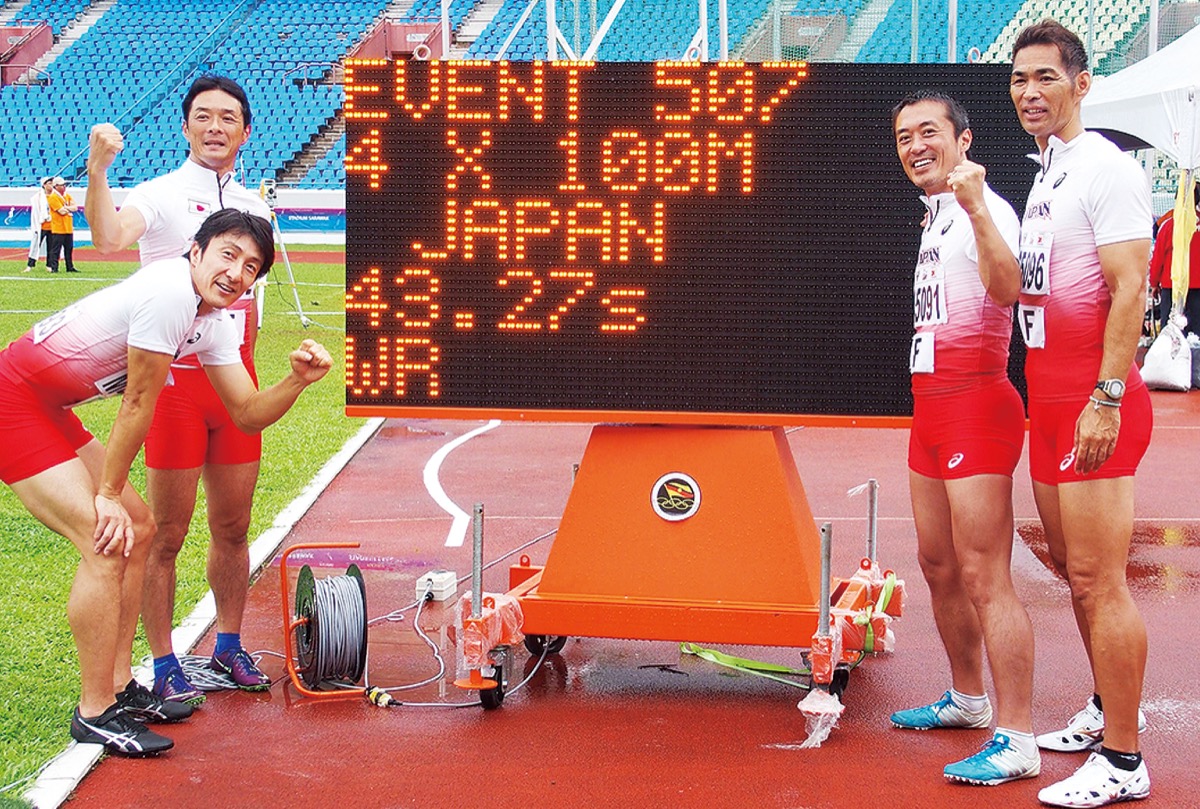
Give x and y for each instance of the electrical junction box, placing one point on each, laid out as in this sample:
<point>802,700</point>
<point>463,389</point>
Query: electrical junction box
<point>441,584</point>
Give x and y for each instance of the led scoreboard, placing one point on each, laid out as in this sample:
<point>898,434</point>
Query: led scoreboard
<point>710,243</point>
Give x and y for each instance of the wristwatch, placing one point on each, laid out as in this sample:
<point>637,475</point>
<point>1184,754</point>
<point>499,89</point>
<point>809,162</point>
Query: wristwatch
<point>1112,388</point>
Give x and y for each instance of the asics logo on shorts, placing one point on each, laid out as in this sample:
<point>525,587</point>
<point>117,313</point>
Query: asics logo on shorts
<point>955,460</point>
<point>1067,461</point>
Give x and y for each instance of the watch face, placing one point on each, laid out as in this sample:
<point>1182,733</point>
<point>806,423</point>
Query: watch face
<point>1113,388</point>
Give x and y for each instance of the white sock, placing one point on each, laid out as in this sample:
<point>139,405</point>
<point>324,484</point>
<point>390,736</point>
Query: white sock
<point>969,703</point>
<point>1021,741</point>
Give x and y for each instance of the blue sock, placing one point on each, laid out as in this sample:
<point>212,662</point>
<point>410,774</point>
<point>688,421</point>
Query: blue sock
<point>164,664</point>
<point>227,641</point>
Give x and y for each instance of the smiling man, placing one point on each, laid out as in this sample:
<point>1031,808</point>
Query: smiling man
<point>192,435</point>
<point>1085,244</point>
<point>967,432</point>
<point>122,340</point>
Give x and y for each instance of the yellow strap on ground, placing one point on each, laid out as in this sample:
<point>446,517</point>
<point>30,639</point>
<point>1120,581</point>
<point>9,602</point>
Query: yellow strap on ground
<point>758,668</point>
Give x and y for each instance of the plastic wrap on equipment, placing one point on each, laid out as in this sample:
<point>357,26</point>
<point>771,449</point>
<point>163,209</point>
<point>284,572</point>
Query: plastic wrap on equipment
<point>499,624</point>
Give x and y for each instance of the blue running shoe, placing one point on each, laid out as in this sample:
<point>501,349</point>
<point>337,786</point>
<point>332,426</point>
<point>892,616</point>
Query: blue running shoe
<point>945,713</point>
<point>996,763</point>
<point>238,664</point>
<point>174,687</point>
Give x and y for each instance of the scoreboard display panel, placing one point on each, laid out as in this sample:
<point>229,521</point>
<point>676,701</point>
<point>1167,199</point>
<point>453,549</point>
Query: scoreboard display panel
<point>688,242</point>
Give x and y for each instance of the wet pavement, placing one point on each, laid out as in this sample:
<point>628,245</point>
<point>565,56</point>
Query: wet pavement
<point>638,723</point>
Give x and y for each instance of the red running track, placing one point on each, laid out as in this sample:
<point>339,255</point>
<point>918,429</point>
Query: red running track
<point>634,723</point>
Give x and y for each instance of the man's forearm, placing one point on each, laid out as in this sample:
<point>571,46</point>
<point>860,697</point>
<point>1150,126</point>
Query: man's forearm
<point>268,405</point>
<point>101,213</point>
<point>1122,331</point>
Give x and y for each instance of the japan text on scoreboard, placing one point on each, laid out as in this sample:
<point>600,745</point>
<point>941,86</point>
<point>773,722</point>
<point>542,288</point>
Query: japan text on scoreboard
<point>643,241</point>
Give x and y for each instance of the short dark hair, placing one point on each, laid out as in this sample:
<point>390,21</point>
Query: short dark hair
<point>240,223</point>
<point>1052,32</point>
<point>224,84</point>
<point>954,110</point>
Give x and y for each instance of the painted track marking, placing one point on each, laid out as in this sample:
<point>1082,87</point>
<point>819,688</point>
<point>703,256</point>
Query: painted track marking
<point>458,528</point>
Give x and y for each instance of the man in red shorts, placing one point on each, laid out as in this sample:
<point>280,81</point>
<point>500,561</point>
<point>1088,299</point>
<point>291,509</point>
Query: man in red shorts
<point>1085,241</point>
<point>121,341</point>
<point>967,432</point>
<point>192,435</point>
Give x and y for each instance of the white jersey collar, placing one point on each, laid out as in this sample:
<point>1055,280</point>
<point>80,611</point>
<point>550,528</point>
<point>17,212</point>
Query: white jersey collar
<point>192,167</point>
<point>1057,147</point>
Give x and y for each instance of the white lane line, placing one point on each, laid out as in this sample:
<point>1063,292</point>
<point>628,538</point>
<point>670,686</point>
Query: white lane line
<point>458,528</point>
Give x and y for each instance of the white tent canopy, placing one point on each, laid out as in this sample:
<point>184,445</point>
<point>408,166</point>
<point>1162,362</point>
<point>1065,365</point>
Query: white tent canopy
<point>1156,100</point>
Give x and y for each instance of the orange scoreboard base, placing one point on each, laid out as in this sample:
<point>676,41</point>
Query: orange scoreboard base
<point>683,534</point>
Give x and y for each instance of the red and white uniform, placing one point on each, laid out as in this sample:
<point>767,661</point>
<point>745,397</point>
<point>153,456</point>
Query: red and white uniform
<point>176,204</point>
<point>969,333</point>
<point>190,425</point>
<point>1087,194</point>
<point>81,353</point>
<point>967,417</point>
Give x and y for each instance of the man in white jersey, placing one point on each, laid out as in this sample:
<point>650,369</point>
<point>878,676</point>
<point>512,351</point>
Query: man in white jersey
<point>1085,242</point>
<point>967,433</point>
<point>191,435</point>
<point>39,221</point>
<point>121,341</point>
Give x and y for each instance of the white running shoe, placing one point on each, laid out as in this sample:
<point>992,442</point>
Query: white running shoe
<point>1084,731</point>
<point>1098,783</point>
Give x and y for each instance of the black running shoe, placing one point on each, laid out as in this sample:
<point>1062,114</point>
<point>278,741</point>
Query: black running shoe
<point>119,733</point>
<point>143,705</point>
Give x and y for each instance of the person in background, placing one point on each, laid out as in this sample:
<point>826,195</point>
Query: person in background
<point>39,222</point>
<point>62,227</point>
<point>1160,270</point>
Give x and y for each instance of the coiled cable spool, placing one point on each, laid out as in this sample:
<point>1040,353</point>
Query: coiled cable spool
<point>331,642</point>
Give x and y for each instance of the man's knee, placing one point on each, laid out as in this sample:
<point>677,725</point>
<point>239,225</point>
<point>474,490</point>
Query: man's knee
<point>1093,589</point>
<point>230,530</point>
<point>167,536</point>
<point>144,531</point>
<point>984,578</point>
<point>940,570</point>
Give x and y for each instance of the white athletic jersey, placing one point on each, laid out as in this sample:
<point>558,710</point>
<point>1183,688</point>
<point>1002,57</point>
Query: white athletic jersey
<point>39,210</point>
<point>174,206</point>
<point>960,332</point>
<point>81,352</point>
<point>1087,194</point>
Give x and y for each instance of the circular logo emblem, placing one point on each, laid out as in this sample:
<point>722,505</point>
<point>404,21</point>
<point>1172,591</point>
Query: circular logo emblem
<point>675,496</point>
<point>955,460</point>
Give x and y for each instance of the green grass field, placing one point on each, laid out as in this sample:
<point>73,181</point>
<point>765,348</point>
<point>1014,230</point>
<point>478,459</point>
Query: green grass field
<point>37,656</point>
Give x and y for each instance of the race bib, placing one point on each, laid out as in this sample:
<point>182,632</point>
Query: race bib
<point>920,356</point>
<point>47,326</point>
<point>929,295</point>
<point>1032,322</point>
<point>1035,262</point>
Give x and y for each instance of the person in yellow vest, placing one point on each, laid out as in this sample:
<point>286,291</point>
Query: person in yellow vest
<point>62,227</point>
